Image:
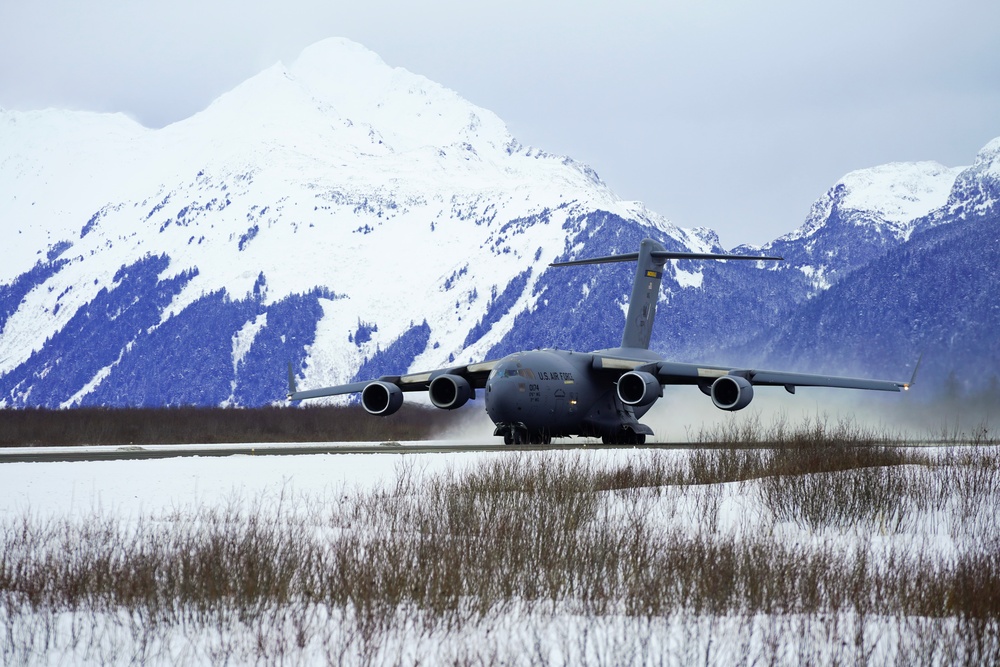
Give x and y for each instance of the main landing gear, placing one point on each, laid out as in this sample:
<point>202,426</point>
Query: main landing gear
<point>521,436</point>
<point>517,435</point>
<point>625,437</point>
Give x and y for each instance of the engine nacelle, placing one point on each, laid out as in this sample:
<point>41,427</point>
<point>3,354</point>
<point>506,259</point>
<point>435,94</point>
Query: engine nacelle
<point>639,388</point>
<point>449,391</point>
<point>731,392</point>
<point>381,398</point>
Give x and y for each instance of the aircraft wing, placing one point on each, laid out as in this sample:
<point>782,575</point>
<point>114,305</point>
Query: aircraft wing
<point>669,372</point>
<point>476,375</point>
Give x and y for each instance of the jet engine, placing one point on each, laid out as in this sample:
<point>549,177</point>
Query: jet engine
<point>731,392</point>
<point>639,388</point>
<point>381,398</point>
<point>449,391</point>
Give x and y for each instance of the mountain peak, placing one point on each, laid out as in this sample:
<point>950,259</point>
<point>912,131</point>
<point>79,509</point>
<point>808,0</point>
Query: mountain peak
<point>890,197</point>
<point>865,213</point>
<point>977,189</point>
<point>989,154</point>
<point>341,53</point>
<point>899,192</point>
<point>408,109</point>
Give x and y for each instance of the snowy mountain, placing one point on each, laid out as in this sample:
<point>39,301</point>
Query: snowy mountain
<point>935,293</point>
<point>734,316</point>
<point>358,219</point>
<point>865,214</point>
<point>337,212</point>
<point>976,194</point>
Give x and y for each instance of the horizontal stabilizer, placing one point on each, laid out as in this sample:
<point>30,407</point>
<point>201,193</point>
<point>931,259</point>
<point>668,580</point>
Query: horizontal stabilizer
<point>663,255</point>
<point>650,261</point>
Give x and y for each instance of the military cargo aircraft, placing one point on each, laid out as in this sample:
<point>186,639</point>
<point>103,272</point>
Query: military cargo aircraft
<point>537,395</point>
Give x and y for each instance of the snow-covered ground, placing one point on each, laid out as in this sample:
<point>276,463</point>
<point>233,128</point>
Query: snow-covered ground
<point>145,486</point>
<point>943,512</point>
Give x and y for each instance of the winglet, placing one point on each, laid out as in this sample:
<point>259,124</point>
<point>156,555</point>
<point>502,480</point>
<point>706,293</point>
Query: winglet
<point>913,378</point>
<point>291,381</point>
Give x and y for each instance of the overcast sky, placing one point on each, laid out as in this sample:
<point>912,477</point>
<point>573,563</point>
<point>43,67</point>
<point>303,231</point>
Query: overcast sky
<point>729,115</point>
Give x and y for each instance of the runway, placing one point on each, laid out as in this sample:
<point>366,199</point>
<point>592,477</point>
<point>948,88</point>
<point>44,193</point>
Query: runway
<point>136,452</point>
<point>42,454</point>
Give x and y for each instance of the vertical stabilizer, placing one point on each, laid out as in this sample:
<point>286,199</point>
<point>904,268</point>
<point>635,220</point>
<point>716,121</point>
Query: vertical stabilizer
<point>645,292</point>
<point>646,288</point>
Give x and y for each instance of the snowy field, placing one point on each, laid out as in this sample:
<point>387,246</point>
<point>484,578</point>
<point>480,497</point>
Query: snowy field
<point>137,487</point>
<point>600,557</point>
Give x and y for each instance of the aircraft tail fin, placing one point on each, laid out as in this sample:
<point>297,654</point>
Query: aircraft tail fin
<point>646,286</point>
<point>291,381</point>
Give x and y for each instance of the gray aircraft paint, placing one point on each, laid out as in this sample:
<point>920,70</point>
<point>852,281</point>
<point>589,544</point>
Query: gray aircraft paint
<point>645,293</point>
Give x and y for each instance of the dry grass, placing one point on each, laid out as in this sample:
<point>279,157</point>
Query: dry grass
<point>587,550</point>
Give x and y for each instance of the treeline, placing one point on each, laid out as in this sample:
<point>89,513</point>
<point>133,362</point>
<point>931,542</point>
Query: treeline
<point>194,425</point>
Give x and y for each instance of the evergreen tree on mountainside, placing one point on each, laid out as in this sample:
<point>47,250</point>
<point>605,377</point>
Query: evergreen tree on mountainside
<point>936,294</point>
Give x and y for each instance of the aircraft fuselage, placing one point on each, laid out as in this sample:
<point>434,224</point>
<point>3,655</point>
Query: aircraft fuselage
<point>538,395</point>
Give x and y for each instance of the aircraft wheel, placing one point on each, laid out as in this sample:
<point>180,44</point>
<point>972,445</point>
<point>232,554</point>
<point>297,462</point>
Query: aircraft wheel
<point>626,437</point>
<point>520,437</point>
<point>508,439</point>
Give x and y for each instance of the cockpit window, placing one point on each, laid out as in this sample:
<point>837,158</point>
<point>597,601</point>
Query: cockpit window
<point>516,372</point>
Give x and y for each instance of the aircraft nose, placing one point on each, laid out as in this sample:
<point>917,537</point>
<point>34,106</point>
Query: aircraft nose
<point>504,397</point>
